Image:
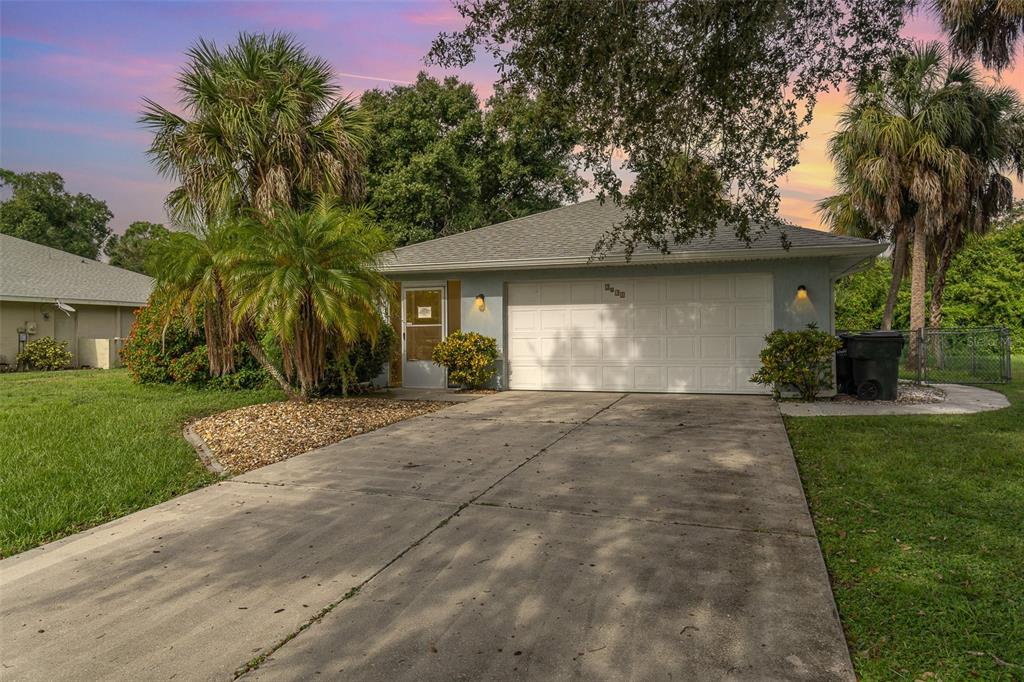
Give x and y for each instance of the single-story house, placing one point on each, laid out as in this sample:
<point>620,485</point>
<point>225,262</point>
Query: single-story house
<point>48,292</point>
<point>693,320</point>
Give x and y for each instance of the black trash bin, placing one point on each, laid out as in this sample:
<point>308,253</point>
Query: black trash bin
<point>874,359</point>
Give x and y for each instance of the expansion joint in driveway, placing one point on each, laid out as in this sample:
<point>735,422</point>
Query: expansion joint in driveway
<point>256,662</point>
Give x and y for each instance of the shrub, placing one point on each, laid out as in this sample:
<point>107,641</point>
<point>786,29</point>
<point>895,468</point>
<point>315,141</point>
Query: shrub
<point>45,353</point>
<point>241,379</point>
<point>363,362</point>
<point>152,346</point>
<point>799,361</point>
<point>469,358</point>
<point>192,367</point>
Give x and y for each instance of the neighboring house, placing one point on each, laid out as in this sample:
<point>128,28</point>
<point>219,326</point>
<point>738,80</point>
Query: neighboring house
<point>47,292</point>
<point>690,321</point>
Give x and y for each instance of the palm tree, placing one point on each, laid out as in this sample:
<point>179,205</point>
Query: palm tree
<point>264,127</point>
<point>989,29</point>
<point>899,154</point>
<point>310,279</point>
<point>995,147</point>
<point>189,277</point>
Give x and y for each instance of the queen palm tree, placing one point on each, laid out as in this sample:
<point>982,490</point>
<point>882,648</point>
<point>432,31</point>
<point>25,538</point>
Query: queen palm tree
<point>900,157</point>
<point>264,126</point>
<point>310,279</point>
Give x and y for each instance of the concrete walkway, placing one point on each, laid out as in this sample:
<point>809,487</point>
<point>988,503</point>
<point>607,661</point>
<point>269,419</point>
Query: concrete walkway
<point>517,536</point>
<point>959,400</point>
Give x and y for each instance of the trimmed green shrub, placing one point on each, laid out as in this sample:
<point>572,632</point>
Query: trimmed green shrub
<point>800,361</point>
<point>45,353</point>
<point>241,379</point>
<point>469,358</point>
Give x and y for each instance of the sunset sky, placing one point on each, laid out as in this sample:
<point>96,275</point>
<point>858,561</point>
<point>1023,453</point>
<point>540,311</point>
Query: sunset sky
<point>73,75</point>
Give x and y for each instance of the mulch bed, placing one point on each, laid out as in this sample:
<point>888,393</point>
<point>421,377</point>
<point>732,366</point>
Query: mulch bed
<point>254,436</point>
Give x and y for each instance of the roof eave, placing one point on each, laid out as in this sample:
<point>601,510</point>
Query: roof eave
<point>865,250</point>
<point>70,301</point>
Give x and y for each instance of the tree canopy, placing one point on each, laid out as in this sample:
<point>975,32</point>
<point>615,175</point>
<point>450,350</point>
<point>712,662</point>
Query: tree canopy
<point>705,102</point>
<point>439,163</point>
<point>132,249</point>
<point>40,210</point>
<point>265,125</point>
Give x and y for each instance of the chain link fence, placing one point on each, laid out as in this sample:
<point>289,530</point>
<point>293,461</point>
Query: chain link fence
<point>957,356</point>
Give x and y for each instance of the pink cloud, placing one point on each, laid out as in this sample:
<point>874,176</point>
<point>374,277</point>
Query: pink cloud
<point>440,15</point>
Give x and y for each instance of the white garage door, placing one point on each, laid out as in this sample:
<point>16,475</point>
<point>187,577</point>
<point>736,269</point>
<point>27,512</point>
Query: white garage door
<point>695,334</point>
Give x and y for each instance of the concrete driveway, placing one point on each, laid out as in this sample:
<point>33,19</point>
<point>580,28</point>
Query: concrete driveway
<point>518,536</point>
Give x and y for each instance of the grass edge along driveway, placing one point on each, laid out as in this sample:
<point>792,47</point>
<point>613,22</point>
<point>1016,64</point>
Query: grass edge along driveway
<point>82,447</point>
<point>920,519</point>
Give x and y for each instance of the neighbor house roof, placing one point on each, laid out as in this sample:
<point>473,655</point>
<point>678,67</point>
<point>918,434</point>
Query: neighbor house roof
<point>566,236</point>
<point>32,272</point>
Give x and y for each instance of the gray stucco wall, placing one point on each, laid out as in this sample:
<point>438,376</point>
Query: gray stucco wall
<point>787,274</point>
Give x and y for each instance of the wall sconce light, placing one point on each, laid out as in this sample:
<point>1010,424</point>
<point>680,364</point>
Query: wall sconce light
<point>801,293</point>
<point>480,302</point>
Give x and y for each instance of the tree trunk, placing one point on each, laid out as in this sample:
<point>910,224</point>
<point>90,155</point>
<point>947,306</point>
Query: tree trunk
<point>939,281</point>
<point>918,276</point>
<point>899,260</point>
<point>256,349</point>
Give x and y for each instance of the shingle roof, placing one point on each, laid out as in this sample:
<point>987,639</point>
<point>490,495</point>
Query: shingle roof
<point>33,272</point>
<point>566,236</point>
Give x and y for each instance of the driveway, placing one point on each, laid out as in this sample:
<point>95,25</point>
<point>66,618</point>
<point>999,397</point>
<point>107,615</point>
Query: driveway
<point>518,536</point>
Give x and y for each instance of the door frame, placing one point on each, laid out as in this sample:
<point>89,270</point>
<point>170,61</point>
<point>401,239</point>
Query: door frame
<point>424,286</point>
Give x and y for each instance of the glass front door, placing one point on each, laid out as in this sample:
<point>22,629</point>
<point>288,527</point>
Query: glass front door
<point>424,316</point>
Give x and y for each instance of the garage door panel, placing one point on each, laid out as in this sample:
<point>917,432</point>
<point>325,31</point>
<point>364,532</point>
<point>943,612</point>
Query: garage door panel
<point>617,378</point>
<point>585,319</point>
<point>716,348</point>
<point>716,287</point>
<point>648,348</point>
<point>682,379</point>
<point>681,347</point>
<point>716,378</point>
<point>755,316</point>
<point>749,347</point>
<point>616,319</point>
<point>523,294</point>
<point>649,318</point>
<point>716,316</point>
<point>554,293</point>
<point>680,334</point>
<point>683,317</point>
<point>523,320</point>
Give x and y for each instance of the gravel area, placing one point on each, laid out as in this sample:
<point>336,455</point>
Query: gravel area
<point>254,436</point>
<point>907,393</point>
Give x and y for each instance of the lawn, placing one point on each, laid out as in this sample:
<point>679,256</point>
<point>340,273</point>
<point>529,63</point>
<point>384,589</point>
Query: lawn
<point>84,447</point>
<point>921,520</point>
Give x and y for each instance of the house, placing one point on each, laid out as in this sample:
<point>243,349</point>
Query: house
<point>47,292</point>
<point>690,321</point>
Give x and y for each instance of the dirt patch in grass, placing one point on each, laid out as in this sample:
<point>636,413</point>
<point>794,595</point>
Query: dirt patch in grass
<point>254,436</point>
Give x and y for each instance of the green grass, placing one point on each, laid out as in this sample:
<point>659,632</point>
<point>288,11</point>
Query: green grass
<point>921,520</point>
<point>83,447</point>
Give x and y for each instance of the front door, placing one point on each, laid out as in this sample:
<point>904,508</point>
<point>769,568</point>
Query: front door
<point>424,316</point>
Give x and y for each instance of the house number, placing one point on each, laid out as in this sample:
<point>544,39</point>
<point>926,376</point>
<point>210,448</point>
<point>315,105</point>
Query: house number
<point>615,292</point>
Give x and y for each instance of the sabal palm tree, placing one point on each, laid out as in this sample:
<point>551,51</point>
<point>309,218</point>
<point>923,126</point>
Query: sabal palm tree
<point>989,29</point>
<point>899,154</point>
<point>996,148</point>
<point>264,126</point>
<point>310,279</point>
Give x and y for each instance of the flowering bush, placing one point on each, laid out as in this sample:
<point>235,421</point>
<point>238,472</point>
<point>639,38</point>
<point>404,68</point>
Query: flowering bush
<point>191,367</point>
<point>469,358</point>
<point>45,353</point>
<point>800,361</point>
<point>152,345</point>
